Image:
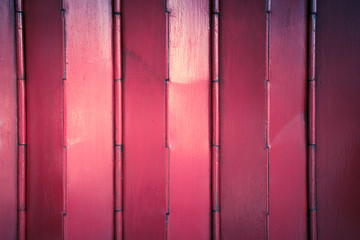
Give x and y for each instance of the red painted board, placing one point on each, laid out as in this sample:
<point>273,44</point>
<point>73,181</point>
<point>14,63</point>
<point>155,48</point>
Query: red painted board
<point>144,155</point>
<point>189,119</point>
<point>90,120</point>
<point>337,119</point>
<point>287,132</point>
<point>44,64</point>
<point>242,119</point>
<point>8,122</point>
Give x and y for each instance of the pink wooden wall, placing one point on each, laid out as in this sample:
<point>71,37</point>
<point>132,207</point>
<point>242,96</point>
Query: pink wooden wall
<point>169,119</point>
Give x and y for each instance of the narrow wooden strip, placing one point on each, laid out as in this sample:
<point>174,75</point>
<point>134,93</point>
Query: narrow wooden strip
<point>312,112</point>
<point>268,6</point>
<point>312,178</point>
<point>22,178</point>
<point>267,23</point>
<point>20,67</point>
<point>215,171</point>
<point>312,212</point>
<point>64,82</point>
<point>118,171</point>
<point>167,180</point>
<point>64,163</point>
<point>18,5</point>
<point>167,152</point>
<point>21,92</point>
<point>215,179</point>
<point>313,6</point>
<point>268,113</point>
<point>216,225</point>
<point>215,47</point>
<point>312,193</point>
<point>167,25</point>
<point>21,231</point>
<point>64,182</point>
<point>117,46</point>
<point>215,113</point>
<point>312,47</point>
<point>267,217</point>
<point>267,107</point>
<point>267,136</point>
<point>313,225</point>
<point>215,6</point>
<point>118,179</point>
<point>117,6</point>
<point>118,112</point>
<point>21,112</point>
<point>118,225</point>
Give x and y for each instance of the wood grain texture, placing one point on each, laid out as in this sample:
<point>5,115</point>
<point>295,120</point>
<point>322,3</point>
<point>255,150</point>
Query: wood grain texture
<point>90,120</point>
<point>45,67</point>
<point>242,119</point>
<point>287,132</point>
<point>144,152</point>
<point>8,123</point>
<point>189,139</point>
<point>337,119</point>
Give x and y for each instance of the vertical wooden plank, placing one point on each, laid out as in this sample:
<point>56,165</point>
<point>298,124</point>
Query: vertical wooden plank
<point>311,96</point>
<point>242,119</point>
<point>215,123</point>
<point>8,120</point>
<point>337,119</point>
<point>118,163</point>
<point>189,119</point>
<point>90,119</point>
<point>21,106</point>
<point>144,69</point>
<point>287,132</point>
<point>44,64</point>
<point>118,206</point>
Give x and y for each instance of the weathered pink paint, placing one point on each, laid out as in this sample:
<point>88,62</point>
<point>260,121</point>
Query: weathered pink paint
<point>174,119</point>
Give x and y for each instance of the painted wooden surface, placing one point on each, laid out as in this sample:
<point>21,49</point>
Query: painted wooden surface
<point>288,119</point>
<point>215,121</point>
<point>188,111</point>
<point>8,123</point>
<point>174,119</point>
<point>243,174</point>
<point>21,120</point>
<point>45,69</point>
<point>118,120</point>
<point>144,71</point>
<point>337,119</point>
<point>89,99</point>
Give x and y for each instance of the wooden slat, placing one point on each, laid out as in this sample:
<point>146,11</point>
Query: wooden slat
<point>242,119</point>
<point>45,66</point>
<point>90,119</point>
<point>118,163</point>
<point>337,119</point>
<point>144,152</point>
<point>215,122</point>
<point>287,132</point>
<point>189,139</point>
